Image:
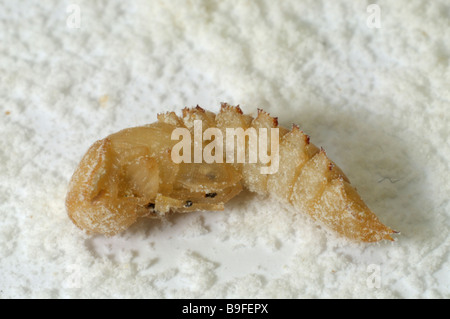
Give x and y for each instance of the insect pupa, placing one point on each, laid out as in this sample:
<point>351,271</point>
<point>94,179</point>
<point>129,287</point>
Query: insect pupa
<point>132,174</point>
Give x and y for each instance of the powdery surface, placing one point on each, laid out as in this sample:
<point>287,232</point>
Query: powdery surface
<point>376,99</point>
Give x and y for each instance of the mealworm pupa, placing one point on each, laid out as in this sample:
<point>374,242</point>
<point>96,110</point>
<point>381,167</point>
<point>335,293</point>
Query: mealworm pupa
<point>132,174</point>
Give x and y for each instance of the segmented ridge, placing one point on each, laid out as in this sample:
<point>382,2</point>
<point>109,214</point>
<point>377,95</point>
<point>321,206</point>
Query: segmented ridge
<point>224,107</point>
<point>170,118</point>
<point>192,110</point>
<point>296,128</point>
<point>189,115</point>
<point>264,117</point>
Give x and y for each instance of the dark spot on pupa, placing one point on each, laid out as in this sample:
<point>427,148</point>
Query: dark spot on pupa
<point>188,203</point>
<point>211,195</point>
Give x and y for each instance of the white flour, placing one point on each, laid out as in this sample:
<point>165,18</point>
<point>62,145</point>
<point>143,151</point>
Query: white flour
<point>377,99</point>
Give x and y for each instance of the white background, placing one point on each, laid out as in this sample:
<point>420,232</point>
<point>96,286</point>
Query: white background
<point>377,99</point>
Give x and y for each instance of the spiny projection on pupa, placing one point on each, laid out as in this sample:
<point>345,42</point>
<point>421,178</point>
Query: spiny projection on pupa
<point>135,173</point>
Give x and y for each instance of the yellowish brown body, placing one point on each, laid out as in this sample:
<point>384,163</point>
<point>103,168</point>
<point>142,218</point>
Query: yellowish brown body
<point>130,174</point>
